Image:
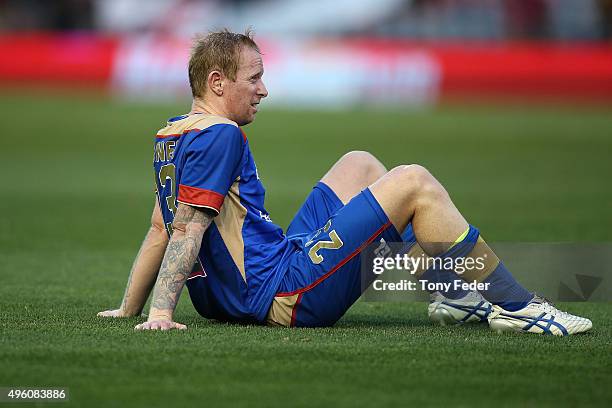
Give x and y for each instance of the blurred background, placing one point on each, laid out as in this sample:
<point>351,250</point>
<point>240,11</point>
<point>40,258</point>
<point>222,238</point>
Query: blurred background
<point>367,52</point>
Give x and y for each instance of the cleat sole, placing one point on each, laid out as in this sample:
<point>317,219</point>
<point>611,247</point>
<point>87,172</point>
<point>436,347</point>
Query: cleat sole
<point>443,317</point>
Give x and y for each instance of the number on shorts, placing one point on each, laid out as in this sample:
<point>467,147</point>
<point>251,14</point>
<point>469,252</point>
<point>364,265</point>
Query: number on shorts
<point>335,243</point>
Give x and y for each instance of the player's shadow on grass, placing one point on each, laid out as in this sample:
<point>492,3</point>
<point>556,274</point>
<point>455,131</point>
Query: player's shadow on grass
<point>359,320</point>
<point>353,320</point>
<point>367,319</point>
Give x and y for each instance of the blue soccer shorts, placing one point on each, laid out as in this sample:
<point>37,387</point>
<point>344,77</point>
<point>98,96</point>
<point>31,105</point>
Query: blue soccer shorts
<point>323,277</point>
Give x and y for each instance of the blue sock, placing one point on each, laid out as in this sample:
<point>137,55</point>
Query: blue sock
<point>505,291</point>
<point>434,275</point>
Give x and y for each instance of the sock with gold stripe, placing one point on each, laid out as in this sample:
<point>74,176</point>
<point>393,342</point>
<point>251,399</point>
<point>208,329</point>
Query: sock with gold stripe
<point>501,288</point>
<point>435,275</point>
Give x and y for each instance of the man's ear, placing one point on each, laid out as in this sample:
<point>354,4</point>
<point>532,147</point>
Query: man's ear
<point>215,82</point>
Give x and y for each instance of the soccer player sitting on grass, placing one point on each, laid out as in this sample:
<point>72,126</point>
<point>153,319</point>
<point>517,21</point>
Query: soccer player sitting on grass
<point>211,232</point>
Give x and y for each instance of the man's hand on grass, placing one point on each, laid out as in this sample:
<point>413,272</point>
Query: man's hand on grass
<point>113,313</point>
<point>156,324</point>
<point>161,324</point>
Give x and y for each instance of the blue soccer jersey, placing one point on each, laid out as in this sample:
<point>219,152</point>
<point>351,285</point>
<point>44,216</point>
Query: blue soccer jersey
<point>205,161</point>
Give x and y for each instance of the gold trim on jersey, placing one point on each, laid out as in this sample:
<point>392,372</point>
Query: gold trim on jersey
<point>192,122</point>
<point>281,310</point>
<point>229,222</point>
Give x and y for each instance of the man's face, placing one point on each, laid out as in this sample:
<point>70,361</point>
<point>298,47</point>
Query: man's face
<point>243,95</point>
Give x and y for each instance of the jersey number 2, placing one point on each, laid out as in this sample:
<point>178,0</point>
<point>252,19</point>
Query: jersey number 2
<point>335,243</point>
<point>167,173</point>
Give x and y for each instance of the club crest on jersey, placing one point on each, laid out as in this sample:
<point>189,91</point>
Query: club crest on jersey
<point>265,216</point>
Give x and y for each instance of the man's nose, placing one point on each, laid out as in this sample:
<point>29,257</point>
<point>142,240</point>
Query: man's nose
<point>262,91</point>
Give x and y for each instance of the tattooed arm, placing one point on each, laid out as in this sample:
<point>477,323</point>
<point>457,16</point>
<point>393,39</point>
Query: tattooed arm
<point>144,270</point>
<point>189,226</point>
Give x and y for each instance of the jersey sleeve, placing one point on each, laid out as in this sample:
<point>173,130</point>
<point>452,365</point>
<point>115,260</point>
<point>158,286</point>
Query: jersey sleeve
<point>211,165</point>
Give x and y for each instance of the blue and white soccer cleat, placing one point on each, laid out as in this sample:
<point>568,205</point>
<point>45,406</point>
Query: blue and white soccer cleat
<point>471,308</point>
<point>540,317</point>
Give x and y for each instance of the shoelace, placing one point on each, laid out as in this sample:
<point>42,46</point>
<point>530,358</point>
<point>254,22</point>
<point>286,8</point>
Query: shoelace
<point>549,307</point>
<point>542,299</point>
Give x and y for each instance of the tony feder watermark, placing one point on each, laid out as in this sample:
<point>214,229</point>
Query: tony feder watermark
<point>392,271</point>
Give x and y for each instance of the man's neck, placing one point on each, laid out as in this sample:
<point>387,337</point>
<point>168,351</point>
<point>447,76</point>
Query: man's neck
<point>201,106</point>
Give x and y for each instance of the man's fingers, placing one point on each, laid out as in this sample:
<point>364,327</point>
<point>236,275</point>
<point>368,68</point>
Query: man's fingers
<point>160,325</point>
<point>109,313</point>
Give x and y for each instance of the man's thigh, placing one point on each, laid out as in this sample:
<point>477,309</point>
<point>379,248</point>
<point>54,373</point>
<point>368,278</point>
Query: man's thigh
<point>319,206</point>
<point>352,173</point>
<point>324,274</point>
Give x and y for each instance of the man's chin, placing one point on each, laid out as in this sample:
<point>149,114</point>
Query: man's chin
<point>246,121</point>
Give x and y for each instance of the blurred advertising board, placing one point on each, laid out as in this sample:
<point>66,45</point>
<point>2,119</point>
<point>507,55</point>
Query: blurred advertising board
<point>321,72</point>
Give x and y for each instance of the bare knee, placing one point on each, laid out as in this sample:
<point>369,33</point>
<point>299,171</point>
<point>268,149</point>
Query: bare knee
<point>357,170</point>
<point>413,175</point>
<point>416,181</point>
<point>354,171</point>
<point>363,166</point>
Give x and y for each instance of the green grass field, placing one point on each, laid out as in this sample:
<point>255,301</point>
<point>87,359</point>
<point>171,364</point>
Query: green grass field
<point>77,193</point>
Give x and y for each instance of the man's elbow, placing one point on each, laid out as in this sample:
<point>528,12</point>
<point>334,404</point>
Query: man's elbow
<point>189,229</point>
<point>158,228</point>
<point>179,228</point>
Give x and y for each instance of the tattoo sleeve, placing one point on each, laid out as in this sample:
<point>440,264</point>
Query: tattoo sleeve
<point>189,226</point>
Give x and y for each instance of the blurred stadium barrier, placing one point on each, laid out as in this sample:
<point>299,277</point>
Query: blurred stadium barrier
<point>319,72</point>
